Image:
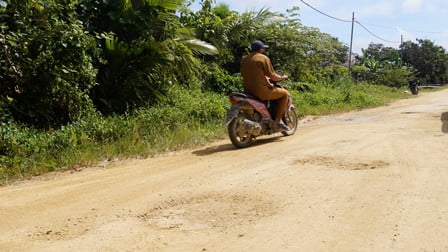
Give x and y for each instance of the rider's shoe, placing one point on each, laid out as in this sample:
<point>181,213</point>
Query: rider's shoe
<point>282,126</point>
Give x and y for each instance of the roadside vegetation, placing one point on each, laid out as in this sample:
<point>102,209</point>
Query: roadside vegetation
<point>83,82</point>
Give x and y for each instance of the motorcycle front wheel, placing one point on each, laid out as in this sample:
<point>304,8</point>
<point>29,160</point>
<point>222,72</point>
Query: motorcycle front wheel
<point>292,121</point>
<point>238,134</point>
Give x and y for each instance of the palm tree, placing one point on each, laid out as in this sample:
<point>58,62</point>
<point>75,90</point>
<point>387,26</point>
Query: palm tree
<point>146,50</point>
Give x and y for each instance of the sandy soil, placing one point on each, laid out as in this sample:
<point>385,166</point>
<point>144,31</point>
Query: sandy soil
<point>372,180</point>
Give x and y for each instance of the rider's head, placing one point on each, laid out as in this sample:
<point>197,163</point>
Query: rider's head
<point>257,45</point>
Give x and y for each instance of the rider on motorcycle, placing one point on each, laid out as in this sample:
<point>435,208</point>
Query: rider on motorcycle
<point>255,69</point>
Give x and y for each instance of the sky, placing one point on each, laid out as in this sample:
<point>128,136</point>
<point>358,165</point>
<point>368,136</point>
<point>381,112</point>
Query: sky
<point>386,22</point>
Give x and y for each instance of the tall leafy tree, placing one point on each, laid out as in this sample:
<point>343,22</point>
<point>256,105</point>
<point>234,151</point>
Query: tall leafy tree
<point>382,65</point>
<point>230,32</point>
<point>243,32</point>
<point>381,53</point>
<point>303,52</point>
<point>429,60</point>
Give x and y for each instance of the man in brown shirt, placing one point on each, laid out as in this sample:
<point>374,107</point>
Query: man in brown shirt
<point>255,68</point>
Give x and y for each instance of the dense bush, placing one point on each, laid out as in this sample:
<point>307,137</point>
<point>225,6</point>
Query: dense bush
<point>46,66</point>
<point>219,81</point>
<point>390,76</point>
<point>144,50</point>
<point>394,77</point>
<point>5,114</point>
<point>187,117</point>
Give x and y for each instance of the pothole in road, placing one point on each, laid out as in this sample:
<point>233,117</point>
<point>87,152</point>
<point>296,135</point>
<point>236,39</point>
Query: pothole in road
<point>335,163</point>
<point>410,112</point>
<point>217,211</point>
<point>72,227</point>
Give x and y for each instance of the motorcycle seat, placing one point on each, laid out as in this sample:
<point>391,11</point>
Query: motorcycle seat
<point>245,95</point>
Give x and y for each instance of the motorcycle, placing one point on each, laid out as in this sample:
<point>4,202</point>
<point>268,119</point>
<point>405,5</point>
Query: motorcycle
<point>413,86</point>
<point>250,117</point>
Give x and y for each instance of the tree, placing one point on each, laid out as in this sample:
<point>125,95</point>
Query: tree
<point>381,53</point>
<point>231,33</point>
<point>303,52</point>
<point>382,65</point>
<point>227,30</point>
<point>429,60</point>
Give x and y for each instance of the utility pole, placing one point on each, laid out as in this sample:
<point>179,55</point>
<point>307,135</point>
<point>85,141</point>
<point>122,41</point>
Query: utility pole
<point>401,49</point>
<point>351,45</point>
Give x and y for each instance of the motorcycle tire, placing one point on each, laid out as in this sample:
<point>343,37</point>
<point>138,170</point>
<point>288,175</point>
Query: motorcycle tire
<point>292,121</point>
<point>237,134</point>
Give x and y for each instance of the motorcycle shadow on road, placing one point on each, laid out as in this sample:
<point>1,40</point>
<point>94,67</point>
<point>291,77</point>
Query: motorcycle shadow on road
<point>444,119</point>
<point>229,147</point>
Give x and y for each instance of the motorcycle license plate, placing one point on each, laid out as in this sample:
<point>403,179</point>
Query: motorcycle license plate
<point>231,114</point>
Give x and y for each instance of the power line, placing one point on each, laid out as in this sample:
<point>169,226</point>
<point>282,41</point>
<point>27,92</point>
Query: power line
<point>363,26</point>
<point>381,26</point>
<point>394,28</point>
<point>373,34</point>
<point>349,21</point>
<point>325,14</point>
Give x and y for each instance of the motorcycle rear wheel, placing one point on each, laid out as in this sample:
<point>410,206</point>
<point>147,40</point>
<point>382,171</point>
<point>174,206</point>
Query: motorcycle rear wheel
<point>292,121</point>
<point>238,135</point>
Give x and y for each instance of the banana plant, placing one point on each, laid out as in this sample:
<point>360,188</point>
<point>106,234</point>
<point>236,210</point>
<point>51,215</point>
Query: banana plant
<point>372,64</point>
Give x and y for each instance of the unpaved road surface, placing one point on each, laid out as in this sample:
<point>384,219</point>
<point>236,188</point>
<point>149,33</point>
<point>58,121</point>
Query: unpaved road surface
<point>372,180</point>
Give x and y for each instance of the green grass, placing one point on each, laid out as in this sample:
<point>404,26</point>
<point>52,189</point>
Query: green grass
<point>432,89</point>
<point>340,97</point>
<point>189,118</point>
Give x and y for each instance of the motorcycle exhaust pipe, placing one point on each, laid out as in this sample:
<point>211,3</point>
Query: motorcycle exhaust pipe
<point>252,127</point>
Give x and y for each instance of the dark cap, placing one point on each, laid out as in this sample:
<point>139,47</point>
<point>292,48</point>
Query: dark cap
<point>257,45</point>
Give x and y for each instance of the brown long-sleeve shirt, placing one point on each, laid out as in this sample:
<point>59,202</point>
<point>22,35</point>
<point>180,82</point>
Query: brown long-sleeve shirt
<point>254,68</point>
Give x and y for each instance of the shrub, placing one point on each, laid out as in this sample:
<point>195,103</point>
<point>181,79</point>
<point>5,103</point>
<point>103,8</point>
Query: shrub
<point>5,114</point>
<point>47,69</point>
<point>388,75</point>
<point>393,77</point>
<point>187,117</point>
<point>218,80</point>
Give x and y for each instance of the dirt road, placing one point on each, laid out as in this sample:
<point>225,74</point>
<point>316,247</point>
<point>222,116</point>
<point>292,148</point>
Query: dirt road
<point>372,180</point>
